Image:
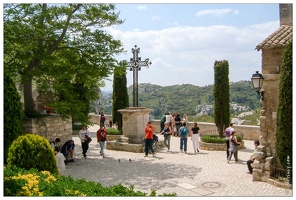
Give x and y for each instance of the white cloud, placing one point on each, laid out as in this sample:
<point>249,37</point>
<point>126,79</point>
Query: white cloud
<point>217,12</point>
<point>155,18</point>
<point>186,54</point>
<point>142,7</point>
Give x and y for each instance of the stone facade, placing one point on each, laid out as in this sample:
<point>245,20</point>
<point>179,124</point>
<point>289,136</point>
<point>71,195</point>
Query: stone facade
<point>272,49</point>
<point>50,127</point>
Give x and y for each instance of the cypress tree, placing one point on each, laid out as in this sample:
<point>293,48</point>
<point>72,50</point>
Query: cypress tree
<point>120,95</point>
<point>221,95</point>
<point>13,114</point>
<point>284,110</point>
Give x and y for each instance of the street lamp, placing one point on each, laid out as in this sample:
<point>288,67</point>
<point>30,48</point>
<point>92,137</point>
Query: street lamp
<point>257,81</point>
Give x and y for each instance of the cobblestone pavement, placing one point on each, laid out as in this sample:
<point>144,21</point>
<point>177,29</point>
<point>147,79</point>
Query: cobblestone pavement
<point>204,174</point>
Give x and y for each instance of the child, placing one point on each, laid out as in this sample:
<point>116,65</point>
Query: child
<point>60,160</point>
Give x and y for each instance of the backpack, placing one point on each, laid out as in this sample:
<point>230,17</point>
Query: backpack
<point>183,132</point>
<point>227,132</point>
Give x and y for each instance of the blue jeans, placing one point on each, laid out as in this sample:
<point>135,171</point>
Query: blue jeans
<point>148,144</point>
<point>102,145</point>
<point>183,142</point>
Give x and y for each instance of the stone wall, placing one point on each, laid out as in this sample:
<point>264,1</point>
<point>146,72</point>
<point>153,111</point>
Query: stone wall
<point>249,132</point>
<point>50,127</point>
<point>271,61</point>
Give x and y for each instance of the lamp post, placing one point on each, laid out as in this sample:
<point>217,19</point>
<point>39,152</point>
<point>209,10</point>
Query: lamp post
<point>257,81</point>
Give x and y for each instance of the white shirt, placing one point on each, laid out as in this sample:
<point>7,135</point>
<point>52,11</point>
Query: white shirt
<point>60,163</point>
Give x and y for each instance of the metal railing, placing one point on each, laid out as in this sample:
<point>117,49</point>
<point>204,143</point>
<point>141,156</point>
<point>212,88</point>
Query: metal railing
<point>280,174</point>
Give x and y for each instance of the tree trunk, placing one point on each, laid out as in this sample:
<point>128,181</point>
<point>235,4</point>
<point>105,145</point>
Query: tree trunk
<point>29,103</point>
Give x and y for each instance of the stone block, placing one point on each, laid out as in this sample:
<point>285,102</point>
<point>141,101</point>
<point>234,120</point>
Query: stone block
<point>256,164</point>
<point>259,155</point>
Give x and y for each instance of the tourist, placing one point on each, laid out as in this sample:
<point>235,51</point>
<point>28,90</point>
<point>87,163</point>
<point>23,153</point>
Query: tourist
<point>168,119</point>
<point>183,132</point>
<point>195,137</point>
<point>228,132</point>
<point>102,118</point>
<point>167,132</point>
<point>148,138</point>
<point>84,135</point>
<point>68,151</point>
<point>102,138</point>
<point>55,143</point>
<point>185,119</point>
<point>162,121</point>
<point>60,160</point>
<point>252,157</point>
<point>174,133</point>
<point>233,147</point>
<point>178,123</point>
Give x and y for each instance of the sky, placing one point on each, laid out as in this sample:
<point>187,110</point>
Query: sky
<point>184,40</point>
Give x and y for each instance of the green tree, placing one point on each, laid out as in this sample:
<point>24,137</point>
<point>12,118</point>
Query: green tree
<point>120,95</point>
<point>63,48</point>
<point>13,114</point>
<point>284,117</point>
<point>221,95</point>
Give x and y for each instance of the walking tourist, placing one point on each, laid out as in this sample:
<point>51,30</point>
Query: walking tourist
<point>102,138</point>
<point>148,138</point>
<point>228,132</point>
<point>84,135</point>
<point>183,132</point>
<point>167,132</point>
<point>162,120</point>
<point>195,137</point>
<point>233,147</point>
<point>178,122</point>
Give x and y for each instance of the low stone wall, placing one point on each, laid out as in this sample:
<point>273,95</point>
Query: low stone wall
<point>249,132</point>
<point>50,127</point>
<point>216,147</point>
<point>95,119</point>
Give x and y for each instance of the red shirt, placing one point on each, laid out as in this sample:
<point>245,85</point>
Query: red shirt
<point>149,131</point>
<point>99,135</point>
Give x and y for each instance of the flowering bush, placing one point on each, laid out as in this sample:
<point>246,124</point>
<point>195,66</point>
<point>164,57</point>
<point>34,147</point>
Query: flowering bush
<point>21,182</point>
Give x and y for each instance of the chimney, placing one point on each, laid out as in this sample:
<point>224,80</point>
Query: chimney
<point>286,14</point>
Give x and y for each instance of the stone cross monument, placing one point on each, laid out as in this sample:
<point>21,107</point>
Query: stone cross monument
<point>135,65</point>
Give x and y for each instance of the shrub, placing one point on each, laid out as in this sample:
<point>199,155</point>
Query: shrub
<point>217,139</point>
<point>13,114</point>
<point>20,182</point>
<point>32,151</point>
<point>114,131</point>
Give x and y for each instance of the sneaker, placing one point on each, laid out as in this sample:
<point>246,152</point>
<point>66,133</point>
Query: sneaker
<point>181,151</point>
<point>197,150</point>
<point>146,156</point>
<point>104,157</point>
<point>227,161</point>
<point>85,157</point>
<point>185,151</point>
<point>153,154</point>
<point>71,160</point>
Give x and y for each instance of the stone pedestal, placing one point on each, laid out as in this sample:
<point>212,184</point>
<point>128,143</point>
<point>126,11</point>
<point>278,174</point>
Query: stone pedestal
<point>134,121</point>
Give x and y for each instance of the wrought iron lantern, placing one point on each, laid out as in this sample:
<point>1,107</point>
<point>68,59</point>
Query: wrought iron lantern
<point>257,81</point>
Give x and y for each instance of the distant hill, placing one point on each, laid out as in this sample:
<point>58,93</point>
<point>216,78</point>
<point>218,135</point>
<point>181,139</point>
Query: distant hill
<point>190,99</point>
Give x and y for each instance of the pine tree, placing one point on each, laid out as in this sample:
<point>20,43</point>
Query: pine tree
<point>284,116</point>
<point>13,114</point>
<point>221,96</point>
<point>120,95</point>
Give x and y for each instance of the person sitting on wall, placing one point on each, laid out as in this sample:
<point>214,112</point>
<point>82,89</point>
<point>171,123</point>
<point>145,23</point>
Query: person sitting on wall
<point>252,157</point>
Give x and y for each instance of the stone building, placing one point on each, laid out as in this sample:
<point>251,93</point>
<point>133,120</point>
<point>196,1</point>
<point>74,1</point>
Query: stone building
<point>272,48</point>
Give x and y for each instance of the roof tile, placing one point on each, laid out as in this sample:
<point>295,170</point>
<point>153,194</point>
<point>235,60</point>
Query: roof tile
<point>279,38</point>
